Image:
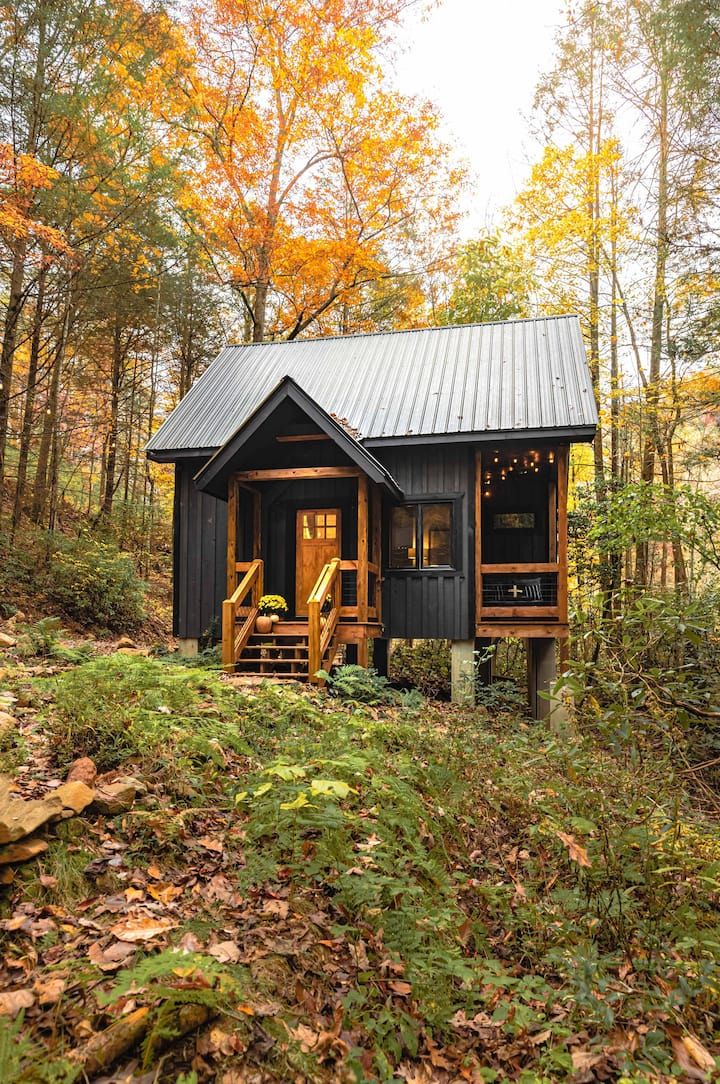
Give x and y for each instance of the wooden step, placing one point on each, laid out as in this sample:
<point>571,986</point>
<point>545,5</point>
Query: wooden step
<point>269,677</point>
<point>277,651</point>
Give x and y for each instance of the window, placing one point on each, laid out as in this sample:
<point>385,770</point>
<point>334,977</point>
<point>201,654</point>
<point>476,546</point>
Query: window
<point>421,536</point>
<point>319,525</point>
<point>514,521</point>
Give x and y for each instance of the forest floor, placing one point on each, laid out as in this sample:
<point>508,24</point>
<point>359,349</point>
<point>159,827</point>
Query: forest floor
<point>267,884</point>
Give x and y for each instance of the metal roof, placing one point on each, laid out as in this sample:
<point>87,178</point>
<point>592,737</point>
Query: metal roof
<point>461,382</point>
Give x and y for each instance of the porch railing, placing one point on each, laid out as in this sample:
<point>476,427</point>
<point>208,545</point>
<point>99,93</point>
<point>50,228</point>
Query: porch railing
<point>321,634</point>
<point>521,591</point>
<point>372,610</point>
<point>235,635</point>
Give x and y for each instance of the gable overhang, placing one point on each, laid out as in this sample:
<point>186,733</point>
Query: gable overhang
<point>213,477</point>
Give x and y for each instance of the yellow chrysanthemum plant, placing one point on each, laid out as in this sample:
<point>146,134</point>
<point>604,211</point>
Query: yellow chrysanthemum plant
<point>269,605</point>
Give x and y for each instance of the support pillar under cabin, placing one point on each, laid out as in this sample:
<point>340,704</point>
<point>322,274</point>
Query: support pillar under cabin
<point>542,675</point>
<point>462,671</point>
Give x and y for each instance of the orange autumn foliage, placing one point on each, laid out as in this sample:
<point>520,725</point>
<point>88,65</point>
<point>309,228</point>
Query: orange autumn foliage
<point>316,180</point>
<point>21,177</point>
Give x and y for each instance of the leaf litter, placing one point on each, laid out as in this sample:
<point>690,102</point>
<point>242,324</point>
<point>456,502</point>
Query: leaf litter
<point>411,918</point>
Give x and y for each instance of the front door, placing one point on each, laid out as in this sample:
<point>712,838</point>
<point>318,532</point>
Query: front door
<point>317,541</point>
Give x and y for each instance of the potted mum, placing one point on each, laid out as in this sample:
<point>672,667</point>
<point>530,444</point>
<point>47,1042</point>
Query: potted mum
<point>270,608</point>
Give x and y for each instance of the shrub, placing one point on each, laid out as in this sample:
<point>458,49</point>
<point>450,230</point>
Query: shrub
<point>364,686</point>
<point>500,696</point>
<point>180,724</point>
<point>97,585</point>
<point>40,639</point>
<point>423,665</point>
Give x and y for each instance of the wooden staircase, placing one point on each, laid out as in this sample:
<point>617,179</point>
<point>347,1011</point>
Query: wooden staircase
<point>294,650</point>
<point>282,653</point>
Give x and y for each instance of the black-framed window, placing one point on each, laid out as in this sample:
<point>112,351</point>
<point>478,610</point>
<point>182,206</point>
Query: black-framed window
<point>421,535</point>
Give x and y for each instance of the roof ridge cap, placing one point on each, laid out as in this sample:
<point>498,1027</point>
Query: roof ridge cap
<point>407,330</point>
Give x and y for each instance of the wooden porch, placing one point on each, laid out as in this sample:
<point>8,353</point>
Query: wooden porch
<point>547,616</point>
<point>299,647</point>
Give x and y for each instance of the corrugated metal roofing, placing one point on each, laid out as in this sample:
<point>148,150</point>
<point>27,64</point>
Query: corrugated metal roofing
<point>475,379</point>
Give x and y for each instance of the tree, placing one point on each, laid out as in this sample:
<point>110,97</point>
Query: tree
<point>316,179</point>
<point>492,280</point>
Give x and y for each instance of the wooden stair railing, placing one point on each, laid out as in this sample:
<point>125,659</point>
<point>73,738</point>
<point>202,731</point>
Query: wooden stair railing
<point>321,636</point>
<point>234,638</point>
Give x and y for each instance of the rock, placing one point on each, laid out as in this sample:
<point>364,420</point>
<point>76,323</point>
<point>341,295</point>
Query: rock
<point>7,641</point>
<point>22,851</point>
<point>75,795</point>
<point>7,722</point>
<point>114,798</point>
<point>17,619</point>
<point>131,781</point>
<point>125,641</point>
<point>82,770</point>
<point>19,818</point>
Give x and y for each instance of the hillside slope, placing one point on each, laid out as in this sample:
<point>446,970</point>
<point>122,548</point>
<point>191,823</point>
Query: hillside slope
<point>312,890</point>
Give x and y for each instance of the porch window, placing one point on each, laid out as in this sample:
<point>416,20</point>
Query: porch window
<point>421,536</point>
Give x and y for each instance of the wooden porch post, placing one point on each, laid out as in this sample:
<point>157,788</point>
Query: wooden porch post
<point>478,537</point>
<point>376,557</point>
<point>232,511</point>
<point>257,524</point>
<point>562,530</point>
<point>362,564</point>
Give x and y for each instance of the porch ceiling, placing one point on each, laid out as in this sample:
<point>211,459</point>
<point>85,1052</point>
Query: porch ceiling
<point>213,476</point>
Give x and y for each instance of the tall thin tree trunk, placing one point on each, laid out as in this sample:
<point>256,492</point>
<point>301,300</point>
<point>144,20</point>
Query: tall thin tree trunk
<point>111,454</point>
<point>652,391</point>
<point>29,409</point>
<point>50,417</point>
<point>7,351</point>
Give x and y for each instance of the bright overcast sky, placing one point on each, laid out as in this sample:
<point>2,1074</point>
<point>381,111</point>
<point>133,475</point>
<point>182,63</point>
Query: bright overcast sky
<point>478,61</point>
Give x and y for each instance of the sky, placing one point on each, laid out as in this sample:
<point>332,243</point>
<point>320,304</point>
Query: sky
<point>479,61</point>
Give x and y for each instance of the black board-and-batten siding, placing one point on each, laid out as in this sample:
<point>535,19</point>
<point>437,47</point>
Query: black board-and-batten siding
<point>199,556</point>
<point>435,603</point>
<point>418,605</point>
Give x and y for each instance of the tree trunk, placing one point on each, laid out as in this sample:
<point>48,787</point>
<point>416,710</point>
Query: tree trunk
<point>27,422</point>
<point>260,313</point>
<point>111,454</point>
<point>652,391</point>
<point>50,418</point>
<point>7,352</point>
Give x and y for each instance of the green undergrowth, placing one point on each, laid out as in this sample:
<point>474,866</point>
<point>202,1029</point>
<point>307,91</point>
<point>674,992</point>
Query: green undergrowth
<point>506,894</point>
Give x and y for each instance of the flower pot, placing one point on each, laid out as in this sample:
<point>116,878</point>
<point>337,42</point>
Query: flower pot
<point>263,624</point>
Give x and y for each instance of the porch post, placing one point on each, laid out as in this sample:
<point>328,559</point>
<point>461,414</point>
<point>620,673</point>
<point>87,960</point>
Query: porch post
<point>232,511</point>
<point>257,524</point>
<point>376,552</point>
<point>362,564</point>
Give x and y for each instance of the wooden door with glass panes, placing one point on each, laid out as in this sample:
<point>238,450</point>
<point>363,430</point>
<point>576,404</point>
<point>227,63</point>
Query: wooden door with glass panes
<point>317,541</point>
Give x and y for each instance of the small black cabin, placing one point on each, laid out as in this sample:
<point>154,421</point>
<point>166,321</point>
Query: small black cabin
<point>395,485</point>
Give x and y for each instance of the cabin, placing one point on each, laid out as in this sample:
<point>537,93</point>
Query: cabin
<point>399,485</point>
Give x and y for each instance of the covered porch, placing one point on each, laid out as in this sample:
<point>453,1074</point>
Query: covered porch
<point>305,512</point>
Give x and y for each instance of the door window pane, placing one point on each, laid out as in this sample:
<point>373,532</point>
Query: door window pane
<point>319,526</point>
<point>403,537</point>
<point>436,535</point>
